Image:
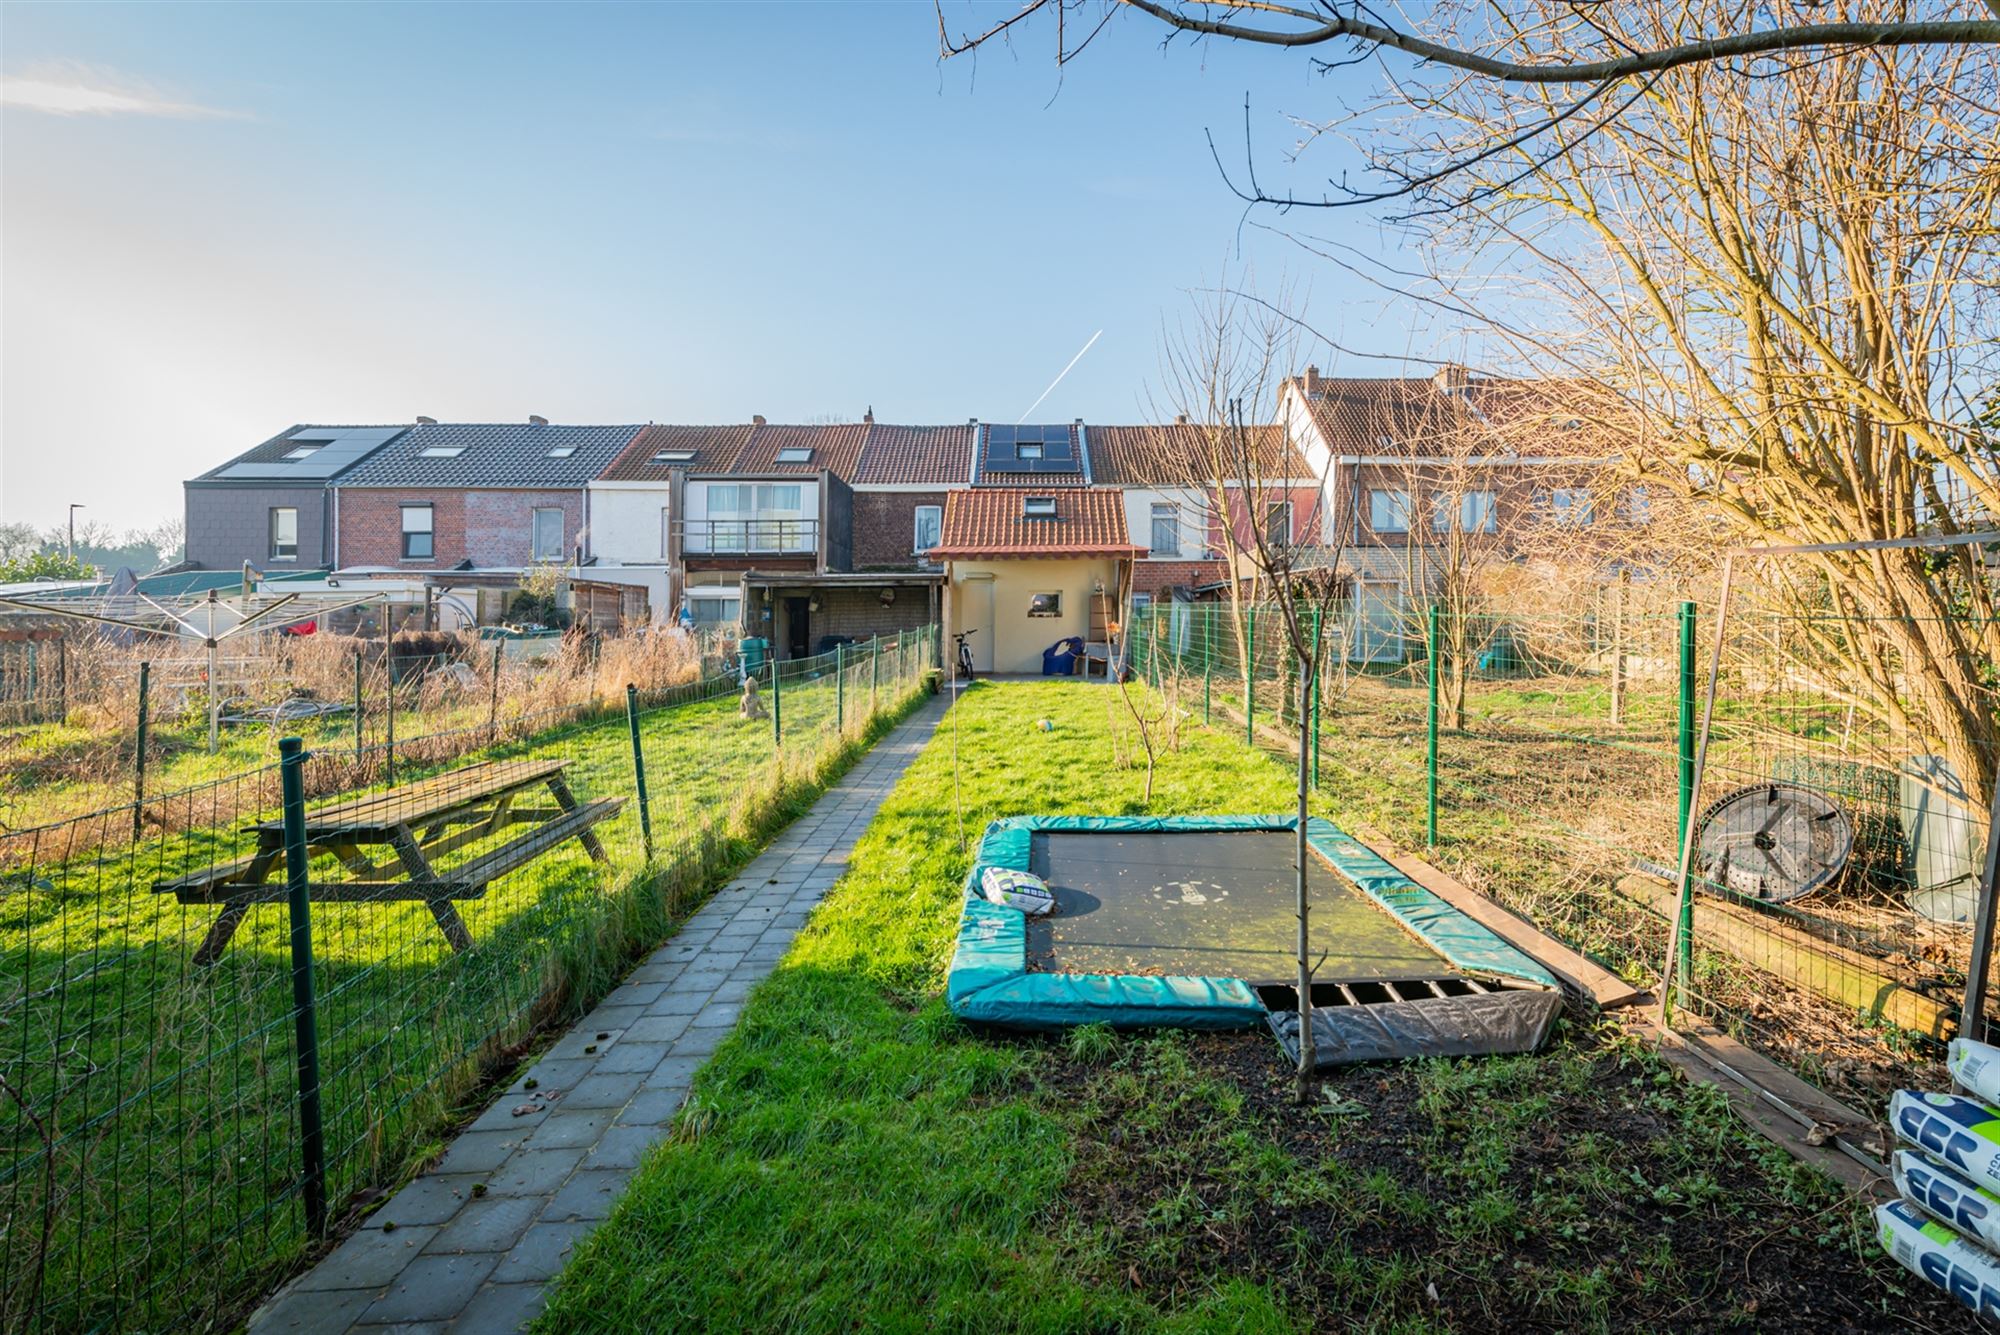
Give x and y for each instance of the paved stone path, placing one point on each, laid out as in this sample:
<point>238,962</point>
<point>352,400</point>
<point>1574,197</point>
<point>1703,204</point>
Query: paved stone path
<point>471,1245</point>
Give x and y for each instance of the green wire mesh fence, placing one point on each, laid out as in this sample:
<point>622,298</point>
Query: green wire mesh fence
<point>1560,780</point>
<point>492,878</point>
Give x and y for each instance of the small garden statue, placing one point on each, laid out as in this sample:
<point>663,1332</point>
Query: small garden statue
<point>753,705</point>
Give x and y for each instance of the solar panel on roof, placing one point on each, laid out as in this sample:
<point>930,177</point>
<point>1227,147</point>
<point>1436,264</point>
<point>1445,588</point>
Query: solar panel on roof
<point>334,449</point>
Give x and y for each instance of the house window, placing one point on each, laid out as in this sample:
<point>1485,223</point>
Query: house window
<point>1570,507</point>
<point>1278,524</point>
<point>1028,449</point>
<point>417,533</point>
<point>1477,512</point>
<point>562,451</point>
<point>302,452</point>
<point>930,527</point>
<point>673,456</point>
<point>1038,507</point>
<point>714,606</point>
<point>548,533</point>
<point>793,454</point>
<point>1638,507</point>
<point>1389,510</point>
<point>284,533</point>
<point>1045,605</point>
<point>440,451</point>
<point>1166,529</point>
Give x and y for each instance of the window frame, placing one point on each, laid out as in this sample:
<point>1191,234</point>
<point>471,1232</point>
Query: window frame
<point>1028,449</point>
<point>1038,507</point>
<point>1466,502</point>
<point>535,551</point>
<point>1172,517</point>
<point>1400,507</point>
<point>276,554</point>
<point>440,451</point>
<point>428,532</point>
<point>919,547</point>
<point>1270,511</point>
<point>794,454</point>
<point>1572,507</point>
<point>1045,606</point>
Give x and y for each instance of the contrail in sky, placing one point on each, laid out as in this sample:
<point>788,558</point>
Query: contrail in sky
<point>1058,380</point>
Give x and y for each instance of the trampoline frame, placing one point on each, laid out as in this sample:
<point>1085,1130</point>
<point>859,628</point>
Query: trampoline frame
<point>990,981</point>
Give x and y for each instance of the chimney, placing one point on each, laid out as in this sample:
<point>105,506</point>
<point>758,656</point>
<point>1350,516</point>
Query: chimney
<point>1180,419</point>
<point>972,421</point>
<point>426,421</point>
<point>1312,381</point>
<point>1450,378</point>
<point>536,420</point>
<point>868,418</point>
<point>757,419</point>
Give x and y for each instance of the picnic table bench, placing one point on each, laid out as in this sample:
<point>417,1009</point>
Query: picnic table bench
<point>418,823</point>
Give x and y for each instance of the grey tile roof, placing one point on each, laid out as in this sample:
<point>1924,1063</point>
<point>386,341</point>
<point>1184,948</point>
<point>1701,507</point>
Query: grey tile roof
<point>493,454</point>
<point>344,446</point>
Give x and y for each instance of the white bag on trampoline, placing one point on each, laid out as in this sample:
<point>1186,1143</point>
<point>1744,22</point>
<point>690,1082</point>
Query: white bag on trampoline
<point>1017,890</point>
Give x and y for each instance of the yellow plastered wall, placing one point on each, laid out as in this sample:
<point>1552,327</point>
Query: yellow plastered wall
<point>992,597</point>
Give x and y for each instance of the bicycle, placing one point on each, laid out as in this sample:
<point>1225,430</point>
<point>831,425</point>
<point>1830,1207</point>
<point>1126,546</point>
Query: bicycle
<point>964,654</point>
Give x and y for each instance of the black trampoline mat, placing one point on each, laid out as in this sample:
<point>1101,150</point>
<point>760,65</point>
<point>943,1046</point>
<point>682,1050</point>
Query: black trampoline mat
<point>1208,903</point>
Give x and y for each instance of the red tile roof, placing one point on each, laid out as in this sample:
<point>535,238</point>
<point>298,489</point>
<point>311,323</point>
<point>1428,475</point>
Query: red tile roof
<point>989,521</point>
<point>1180,453</point>
<point>832,447</point>
<point>915,455</point>
<point>715,448</point>
<point>1417,418</point>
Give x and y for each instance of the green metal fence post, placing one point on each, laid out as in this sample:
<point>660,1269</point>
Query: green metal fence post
<point>1250,679</point>
<point>777,707</point>
<point>305,1025</point>
<point>139,755</point>
<point>493,701</point>
<point>357,707</point>
<point>639,769</point>
<point>1431,731</point>
<point>839,691</point>
<point>1684,957</point>
<point>874,672</point>
<point>1315,700</point>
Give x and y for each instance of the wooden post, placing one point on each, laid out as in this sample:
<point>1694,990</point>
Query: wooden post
<point>493,700</point>
<point>357,709</point>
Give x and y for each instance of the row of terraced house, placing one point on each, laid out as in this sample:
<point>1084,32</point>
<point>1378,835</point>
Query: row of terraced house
<point>807,535</point>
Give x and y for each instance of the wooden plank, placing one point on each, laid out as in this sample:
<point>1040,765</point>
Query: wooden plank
<point>1845,1147</point>
<point>1796,957</point>
<point>1579,971</point>
<point>426,799</point>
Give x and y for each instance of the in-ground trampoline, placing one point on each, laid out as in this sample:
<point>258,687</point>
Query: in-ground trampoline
<point>1190,922</point>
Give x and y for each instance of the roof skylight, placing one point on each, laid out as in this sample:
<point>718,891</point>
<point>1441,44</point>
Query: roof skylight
<point>562,451</point>
<point>1038,507</point>
<point>673,456</point>
<point>306,450</point>
<point>795,454</point>
<point>440,451</point>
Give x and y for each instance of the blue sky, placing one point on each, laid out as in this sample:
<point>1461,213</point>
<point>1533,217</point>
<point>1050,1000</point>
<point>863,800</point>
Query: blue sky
<point>675,213</point>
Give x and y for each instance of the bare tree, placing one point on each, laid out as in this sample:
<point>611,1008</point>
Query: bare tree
<point>1548,47</point>
<point>1787,278</point>
<point>1225,370</point>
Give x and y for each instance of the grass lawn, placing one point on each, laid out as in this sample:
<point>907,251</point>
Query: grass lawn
<point>168,1090</point>
<point>854,1158</point>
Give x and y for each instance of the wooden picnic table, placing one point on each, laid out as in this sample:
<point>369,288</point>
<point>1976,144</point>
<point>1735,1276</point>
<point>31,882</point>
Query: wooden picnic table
<point>418,823</point>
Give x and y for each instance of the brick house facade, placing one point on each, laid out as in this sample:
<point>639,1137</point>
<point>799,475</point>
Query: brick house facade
<point>488,527</point>
<point>885,527</point>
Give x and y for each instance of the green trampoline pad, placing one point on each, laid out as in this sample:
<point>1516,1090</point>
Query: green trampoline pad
<point>1208,903</point>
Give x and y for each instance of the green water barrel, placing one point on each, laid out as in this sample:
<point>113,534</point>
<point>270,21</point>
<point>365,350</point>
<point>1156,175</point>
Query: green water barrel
<point>752,652</point>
